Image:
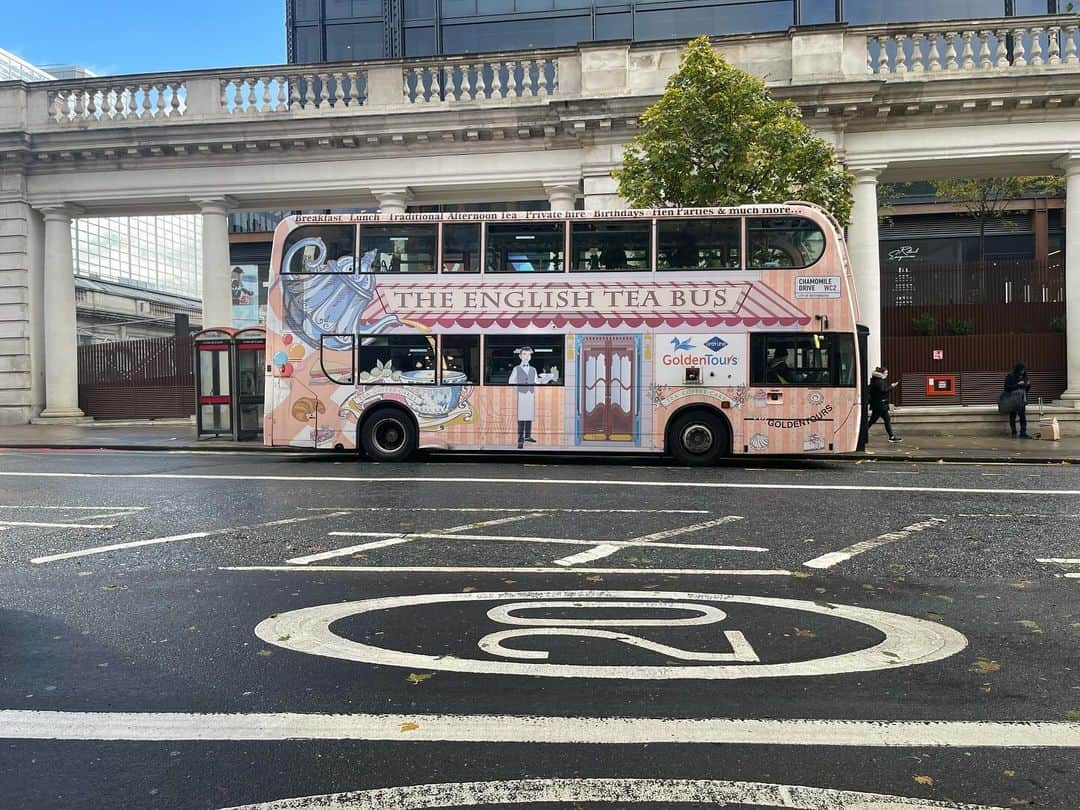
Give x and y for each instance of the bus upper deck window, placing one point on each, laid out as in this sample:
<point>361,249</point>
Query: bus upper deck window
<point>461,247</point>
<point>792,242</point>
<point>698,244</point>
<point>526,247</point>
<point>320,249</point>
<point>397,248</point>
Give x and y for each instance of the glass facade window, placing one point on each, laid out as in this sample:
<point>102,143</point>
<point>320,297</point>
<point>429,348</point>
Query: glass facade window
<point>372,29</point>
<point>687,244</point>
<point>615,245</point>
<point>525,247</point>
<point>156,253</point>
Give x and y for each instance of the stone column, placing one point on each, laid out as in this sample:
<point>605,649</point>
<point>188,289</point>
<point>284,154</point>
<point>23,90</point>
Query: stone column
<point>61,359</point>
<point>866,259</point>
<point>1071,165</point>
<point>216,283</point>
<point>392,200</point>
<point>562,195</point>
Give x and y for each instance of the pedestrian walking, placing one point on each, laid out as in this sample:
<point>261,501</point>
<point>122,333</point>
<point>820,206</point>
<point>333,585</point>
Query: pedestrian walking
<point>1013,399</point>
<point>880,389</point>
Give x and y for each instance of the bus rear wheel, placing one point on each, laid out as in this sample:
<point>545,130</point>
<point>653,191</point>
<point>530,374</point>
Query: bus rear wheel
<point>388,435</point>
<point>698,438</point>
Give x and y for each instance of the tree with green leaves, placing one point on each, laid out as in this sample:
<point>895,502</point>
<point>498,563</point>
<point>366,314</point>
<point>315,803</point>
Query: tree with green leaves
<point>717,137</point>
<point>985,198</point>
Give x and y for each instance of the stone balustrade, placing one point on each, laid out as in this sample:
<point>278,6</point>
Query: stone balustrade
<point>112,101</point>
<point>292,89</point>
<point>1008,44</point>
<point>449,82</point>
<point>799,57</point>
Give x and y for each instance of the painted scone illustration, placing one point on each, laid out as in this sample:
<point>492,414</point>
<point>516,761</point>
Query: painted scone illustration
<point>759,441</point>
<point>306,407</point>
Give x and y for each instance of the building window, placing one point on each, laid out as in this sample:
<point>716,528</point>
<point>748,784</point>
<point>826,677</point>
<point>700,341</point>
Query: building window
<point>398,359</point>
<point>461,247</point>
<point>397,248</point>
<point>698,244</point>
<point>816,360</point>
<point>460,359</point>
<point>613,245</point>
<point>523,359</point>
<point>324,249</point>
<point>783,242</point>
<point>525,247</point>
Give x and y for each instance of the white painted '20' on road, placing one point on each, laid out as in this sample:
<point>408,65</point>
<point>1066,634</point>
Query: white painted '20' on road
<point>907,640</point>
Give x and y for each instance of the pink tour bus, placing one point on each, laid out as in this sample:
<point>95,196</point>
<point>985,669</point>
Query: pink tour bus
<point>699,332</point>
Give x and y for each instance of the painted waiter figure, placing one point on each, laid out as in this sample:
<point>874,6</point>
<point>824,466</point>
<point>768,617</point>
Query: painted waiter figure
<point>526,379</point>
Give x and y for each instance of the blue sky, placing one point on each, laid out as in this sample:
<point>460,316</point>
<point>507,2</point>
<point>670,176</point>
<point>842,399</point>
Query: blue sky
<point>125,36</point>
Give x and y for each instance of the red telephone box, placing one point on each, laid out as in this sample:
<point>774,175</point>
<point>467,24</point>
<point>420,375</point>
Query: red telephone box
<point>229,382</point>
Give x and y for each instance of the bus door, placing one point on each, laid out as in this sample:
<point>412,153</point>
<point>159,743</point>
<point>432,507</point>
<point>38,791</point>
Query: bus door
<point>608,374</point>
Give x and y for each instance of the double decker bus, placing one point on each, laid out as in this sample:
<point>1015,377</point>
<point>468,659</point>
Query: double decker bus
<point>699,332</point>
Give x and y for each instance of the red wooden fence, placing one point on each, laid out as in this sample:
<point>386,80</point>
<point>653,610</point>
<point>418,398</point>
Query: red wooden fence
<point>137,379</point>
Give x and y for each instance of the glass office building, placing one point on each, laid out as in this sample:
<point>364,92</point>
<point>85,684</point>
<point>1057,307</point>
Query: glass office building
<point>155,253</point>
<point>343,30</point>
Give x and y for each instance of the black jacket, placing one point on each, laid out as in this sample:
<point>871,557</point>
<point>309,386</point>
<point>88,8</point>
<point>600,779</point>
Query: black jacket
<point>878,393</point>
<point>1014,382</point>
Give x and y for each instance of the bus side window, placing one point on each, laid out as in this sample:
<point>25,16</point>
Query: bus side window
<point>783,242</point>
<point>320,249</point>
<point>396,359</point>
<point>813,360</point>
<point>526,247</point>
<point>461,247</point>
<point>459,359</point>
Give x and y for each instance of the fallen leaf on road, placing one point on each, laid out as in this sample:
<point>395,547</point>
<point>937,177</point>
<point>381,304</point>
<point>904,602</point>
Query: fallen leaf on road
<point>418,677</point>
<point>409,726</point>
<point>264,653</point>
<point>1029,625</point>
<point>801,575</point>
<point>801,633</point>
<point>1072,715</point>
<point>468,589</point>
<point>984,666</point>
<point>595,578</point>
<point>1009,773</point>
<point>924,780</point>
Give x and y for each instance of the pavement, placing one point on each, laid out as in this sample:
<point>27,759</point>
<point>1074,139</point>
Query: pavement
<point>221,630</point>
<point>180,435</point>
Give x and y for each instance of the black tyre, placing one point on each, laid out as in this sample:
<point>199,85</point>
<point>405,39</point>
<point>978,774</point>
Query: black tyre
<point>698,438</point>
<point>388,434</point>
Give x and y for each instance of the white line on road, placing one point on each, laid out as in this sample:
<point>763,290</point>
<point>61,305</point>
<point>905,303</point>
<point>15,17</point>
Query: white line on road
<point>86,552</point>
<point>1072,576</point>
<point>394,539</point>
<point>17,724</point>
<point>834,557</point>
<point>518,482</point>
<point>606,549</point>
<point>33,508</point>
<point>1063,560</point>
<point>452,569</point>
<point>615,545</point>
<point>573,792</point>
<point>56,525</point>
<point>400,509</point>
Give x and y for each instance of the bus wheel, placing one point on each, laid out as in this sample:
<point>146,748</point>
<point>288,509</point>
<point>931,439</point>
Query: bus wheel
<point>388,435</point>
<point>698,438</point>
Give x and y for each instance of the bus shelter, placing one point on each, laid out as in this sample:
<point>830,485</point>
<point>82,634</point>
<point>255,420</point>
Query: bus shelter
<point>229,382</point>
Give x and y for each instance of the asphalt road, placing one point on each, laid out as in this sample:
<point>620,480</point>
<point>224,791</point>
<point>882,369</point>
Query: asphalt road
<point>197,630</point>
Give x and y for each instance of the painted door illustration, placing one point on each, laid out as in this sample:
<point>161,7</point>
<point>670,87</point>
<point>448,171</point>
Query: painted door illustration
<point>608,388</point>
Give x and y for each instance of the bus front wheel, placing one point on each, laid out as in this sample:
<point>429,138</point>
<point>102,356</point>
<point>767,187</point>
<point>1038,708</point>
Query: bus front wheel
<point>388,435</point>
<point>698,438</point>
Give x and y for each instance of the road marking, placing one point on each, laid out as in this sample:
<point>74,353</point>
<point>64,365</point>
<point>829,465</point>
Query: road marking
<point>394,539</point>
<point>518,482</point>
<point>78,508</point>
<point>1072,576</point>
<point>451,569</point>
<point>399,509</point>
<point>57,525</point>
<point>86,552</point>
<point>19,724</point>
<point>566,792</point>
<point>907,640</point>
<point>398,537</point>
<point>834,557</point>
<point>602,550</point>
<point>1063,560</point>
